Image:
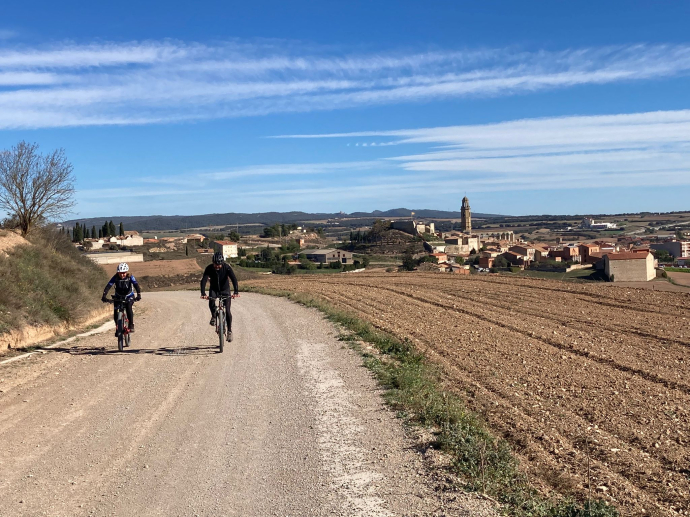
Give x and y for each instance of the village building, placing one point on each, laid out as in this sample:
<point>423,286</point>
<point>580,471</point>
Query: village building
<point>326,256</point>
<point>463,245</point>
<point>586,250</point>
<point>486,262</point>
<point>130,238</point>
<point>227,248</point>
<point>674,247</point>
<point>501,236</point>
<point>514,259</point>
<point>441,257</point>
<point>94,244</point>
<point>589,224</point>
<point>541,252</point>
<point>525,251</point>
<point>629,267</point>
<point>425,228</point>
<point>459,269</point>
<point>193,238</point>
<point>567,254</point>
<point>413,227</point>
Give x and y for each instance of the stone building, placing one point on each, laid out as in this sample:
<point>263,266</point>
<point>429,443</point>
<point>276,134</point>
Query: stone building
<point>466,216</point>
<point>227,248</point>
<point>629,267</point>
<point>326,256</point>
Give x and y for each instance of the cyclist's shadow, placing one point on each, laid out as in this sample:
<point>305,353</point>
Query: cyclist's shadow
<point>164,351</point>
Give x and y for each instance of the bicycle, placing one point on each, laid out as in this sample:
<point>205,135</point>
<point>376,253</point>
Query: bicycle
<point>219,315</point>
<point>122,324</point>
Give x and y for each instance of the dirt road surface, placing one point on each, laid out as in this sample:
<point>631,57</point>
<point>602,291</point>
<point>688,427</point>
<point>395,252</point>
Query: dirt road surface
<point>285,422</point>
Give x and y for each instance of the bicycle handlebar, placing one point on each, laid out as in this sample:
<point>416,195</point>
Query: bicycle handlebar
<point>221,297</point>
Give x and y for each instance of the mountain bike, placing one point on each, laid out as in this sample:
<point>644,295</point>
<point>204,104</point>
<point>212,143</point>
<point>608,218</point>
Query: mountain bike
<point>220,319</point>
<point>122,324</point>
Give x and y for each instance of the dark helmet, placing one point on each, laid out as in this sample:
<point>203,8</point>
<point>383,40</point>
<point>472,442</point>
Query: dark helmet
<point>218,258</point>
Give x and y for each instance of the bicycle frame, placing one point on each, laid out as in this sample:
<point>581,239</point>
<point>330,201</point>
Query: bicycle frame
<point>221,319</point>
<point>122,324</point>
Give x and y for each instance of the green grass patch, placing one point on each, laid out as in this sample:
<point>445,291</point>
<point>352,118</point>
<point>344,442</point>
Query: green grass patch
<point>677,269</point>
<point>484,462</point>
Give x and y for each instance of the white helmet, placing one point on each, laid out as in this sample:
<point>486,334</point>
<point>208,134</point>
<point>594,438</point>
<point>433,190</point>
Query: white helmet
<point>123,267</point>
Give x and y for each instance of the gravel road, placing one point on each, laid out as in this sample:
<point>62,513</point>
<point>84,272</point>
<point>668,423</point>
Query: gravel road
<point>285,422</point>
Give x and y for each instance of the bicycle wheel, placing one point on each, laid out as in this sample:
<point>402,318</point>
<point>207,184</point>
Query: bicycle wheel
<point>221,330</point>
<point>128,339</point>
<point>120,332</point>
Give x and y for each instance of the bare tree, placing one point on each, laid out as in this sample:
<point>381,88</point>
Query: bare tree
<point>35,187</point>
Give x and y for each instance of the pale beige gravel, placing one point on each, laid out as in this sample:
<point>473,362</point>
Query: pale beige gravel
<point>286,422</point>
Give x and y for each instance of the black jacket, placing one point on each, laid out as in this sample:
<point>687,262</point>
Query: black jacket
<point>220,280</point>
<point>123,286</point>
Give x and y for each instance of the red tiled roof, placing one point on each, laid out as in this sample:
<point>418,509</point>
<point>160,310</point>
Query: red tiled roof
<point>225,243</point>
<point>627,256</point>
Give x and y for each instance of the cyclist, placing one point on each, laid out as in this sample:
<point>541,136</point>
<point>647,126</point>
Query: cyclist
<point>221,274</point>
<point>124,282</point>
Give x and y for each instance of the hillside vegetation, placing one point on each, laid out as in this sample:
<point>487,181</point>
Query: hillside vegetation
<point>45,281</point>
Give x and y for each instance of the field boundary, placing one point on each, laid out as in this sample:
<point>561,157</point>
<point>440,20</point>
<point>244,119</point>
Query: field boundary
<point>482,462</point>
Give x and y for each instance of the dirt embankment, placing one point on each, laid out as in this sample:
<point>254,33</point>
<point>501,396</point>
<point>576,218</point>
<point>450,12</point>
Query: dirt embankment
<point>579,378</point>
<point>10,240</point>
<point>47,288</point>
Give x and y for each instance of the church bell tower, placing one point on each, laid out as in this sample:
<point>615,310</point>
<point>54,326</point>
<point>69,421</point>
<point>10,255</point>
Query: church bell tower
<point>466,216</point>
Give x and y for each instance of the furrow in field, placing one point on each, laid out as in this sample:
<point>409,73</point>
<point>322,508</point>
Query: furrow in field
<point>520,422</point>
<point>533,390</point>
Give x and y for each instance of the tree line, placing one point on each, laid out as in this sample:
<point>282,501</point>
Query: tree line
<point>81,231</point>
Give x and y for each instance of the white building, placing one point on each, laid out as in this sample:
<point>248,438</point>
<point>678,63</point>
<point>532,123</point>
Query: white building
<point>591,225</point>
<point>227,248</point>
<point>128,240</point>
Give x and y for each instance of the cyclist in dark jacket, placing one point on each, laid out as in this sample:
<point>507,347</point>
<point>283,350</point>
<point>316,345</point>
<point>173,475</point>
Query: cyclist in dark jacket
<point>220,274</point>
<point>124,284</point>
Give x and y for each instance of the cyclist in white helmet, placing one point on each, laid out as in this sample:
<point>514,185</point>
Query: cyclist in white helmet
<point>124,282</point>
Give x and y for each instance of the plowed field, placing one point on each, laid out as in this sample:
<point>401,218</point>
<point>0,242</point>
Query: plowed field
<point>570,374</point>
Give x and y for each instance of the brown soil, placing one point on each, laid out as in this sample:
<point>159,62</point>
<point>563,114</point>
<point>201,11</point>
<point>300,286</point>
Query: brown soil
<point>10,239</point>
<point>571,374</point>
<point>162,275</point>
<point>159,268</point>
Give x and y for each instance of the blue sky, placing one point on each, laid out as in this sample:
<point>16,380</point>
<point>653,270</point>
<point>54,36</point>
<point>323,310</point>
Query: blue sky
<point>526,107</point>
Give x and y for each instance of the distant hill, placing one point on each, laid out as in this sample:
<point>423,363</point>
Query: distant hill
<point>181,222</point>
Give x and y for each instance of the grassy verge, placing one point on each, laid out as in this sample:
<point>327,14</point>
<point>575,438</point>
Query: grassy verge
<point>677,270</point>
<point>47,282</point>
<point>482,461</point>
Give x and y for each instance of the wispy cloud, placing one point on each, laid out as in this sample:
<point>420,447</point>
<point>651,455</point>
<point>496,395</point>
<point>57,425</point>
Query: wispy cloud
<point>641,149</point>
<point>171,81</point>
